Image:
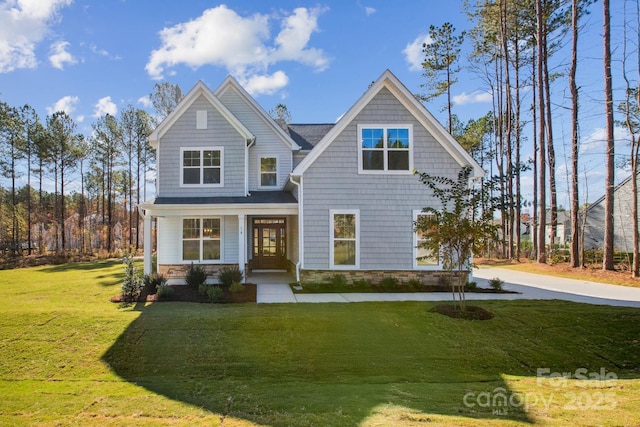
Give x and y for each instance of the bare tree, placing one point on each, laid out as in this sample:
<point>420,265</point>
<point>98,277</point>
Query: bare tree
<point>607,262</point>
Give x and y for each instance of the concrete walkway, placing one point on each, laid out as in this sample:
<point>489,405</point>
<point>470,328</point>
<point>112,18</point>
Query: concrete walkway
<point>275,289</point>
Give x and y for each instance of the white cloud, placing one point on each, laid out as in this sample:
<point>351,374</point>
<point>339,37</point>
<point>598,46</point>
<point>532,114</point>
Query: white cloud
<point>413,52</point>
<point>476,97</point>
<point>264,84</point>
<point>24,24</point>
<point>596,141</point>
<point>105,106</point>
<point>66,104</point>
<point>369,10</point>
<point>145,102</point>
<point>59,55</point>
<point>221,37</point>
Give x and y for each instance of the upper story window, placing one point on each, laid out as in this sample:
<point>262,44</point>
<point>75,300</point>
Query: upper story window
<point>268,172</point>
<point>202,167</point>
<point>385,149</point>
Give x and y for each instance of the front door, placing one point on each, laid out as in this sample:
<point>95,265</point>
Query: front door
<point>269,243</point>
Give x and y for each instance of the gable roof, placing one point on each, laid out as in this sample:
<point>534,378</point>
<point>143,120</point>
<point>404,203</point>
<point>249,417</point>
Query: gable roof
<point>407,99</point>
<point>307,136</point>
<point>199,89</point>
<point>231,82</point>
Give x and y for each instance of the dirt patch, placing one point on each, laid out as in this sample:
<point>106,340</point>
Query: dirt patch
<point>187,294</point>
<point>471,312</point>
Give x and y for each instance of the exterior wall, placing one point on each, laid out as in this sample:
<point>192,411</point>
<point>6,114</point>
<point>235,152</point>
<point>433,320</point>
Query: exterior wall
<point>183,133</point>
<point>268,142</point>
<point>385,202</point>
<point>428,278</point>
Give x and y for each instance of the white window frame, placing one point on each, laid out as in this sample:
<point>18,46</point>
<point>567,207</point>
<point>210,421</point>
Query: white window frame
<point>201,239</point>
<point>332,239</point>
<point>385,149</point>
<point>201,150</point>
<point>260,172</point>
<point>416,240</point>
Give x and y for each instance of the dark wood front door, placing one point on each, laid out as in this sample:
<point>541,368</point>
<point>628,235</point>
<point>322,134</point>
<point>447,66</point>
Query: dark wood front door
<point>269,243</point>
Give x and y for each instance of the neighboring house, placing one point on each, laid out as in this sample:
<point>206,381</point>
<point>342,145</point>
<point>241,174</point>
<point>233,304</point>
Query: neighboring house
<point>236,188</point>
<point>622,220</point>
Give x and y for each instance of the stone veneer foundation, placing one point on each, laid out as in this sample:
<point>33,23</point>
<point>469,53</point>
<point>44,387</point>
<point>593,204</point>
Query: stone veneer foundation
<point>427,277</point>
<point>179,271</point>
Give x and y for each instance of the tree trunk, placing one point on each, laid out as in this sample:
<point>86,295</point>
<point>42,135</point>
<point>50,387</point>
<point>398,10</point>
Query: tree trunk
<point>542,253</point>
<point>550,149</point>
<point>575,203</point>
<point>607,262</point>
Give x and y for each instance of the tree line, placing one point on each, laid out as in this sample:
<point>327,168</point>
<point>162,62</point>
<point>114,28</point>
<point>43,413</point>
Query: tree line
<point>512,44</point>
<point>81,192</point>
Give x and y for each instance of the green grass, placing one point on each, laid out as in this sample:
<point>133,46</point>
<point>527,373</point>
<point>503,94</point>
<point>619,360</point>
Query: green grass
<point>70,357</point>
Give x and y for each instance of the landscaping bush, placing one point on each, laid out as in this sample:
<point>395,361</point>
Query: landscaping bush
<point>389,282</point>
<point>153,281</point>
<point>228,275</point>
<point>195,276</point>
<point>361,283</point>
<point>236,287</point>
<point>496,284</point>
<point>165,293</point>
<point>215,293</point>
<point>338,281</point>
<point>414,284</point>
<point>472,286</point>
<point>132,282</point>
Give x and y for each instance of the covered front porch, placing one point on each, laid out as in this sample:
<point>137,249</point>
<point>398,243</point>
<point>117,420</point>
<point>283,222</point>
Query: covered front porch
<point>256,233</point>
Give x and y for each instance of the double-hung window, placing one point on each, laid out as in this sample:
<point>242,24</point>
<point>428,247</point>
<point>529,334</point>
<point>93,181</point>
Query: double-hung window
<point>422,257</point>
<point>345,235</point>
<point>201,239</point>
<point>385,149</point>
<point>268,172</point>
<point>202,167</point>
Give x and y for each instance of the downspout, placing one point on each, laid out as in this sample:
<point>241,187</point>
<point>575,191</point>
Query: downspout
<point>300,263</point>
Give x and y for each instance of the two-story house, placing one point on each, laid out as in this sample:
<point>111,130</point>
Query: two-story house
<point>236,188</point>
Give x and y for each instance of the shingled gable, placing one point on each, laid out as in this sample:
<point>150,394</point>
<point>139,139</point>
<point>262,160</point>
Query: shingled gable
<point>199,89</point>
<point>230,82</point>
<point>390,81</point>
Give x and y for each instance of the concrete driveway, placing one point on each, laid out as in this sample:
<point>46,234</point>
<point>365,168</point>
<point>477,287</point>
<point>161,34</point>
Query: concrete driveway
<point>540,286</point>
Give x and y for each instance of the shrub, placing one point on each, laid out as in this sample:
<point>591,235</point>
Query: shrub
<point>228,275</point>
<point>338,281</point>
<point>414,284</point>
<point>361,283</point>
<point>195,276</point>
<point>153,281</point>
<point>215,293</point>
<point>389,282</point>
<point>203,288</point>
<point>496,284</point>
<point>236,287</point>
<point>165,293</point>
<point>132,282</point>
<point>472,286</point>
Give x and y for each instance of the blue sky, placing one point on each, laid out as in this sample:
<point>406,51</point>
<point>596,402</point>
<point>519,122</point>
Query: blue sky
<point>95,57</point>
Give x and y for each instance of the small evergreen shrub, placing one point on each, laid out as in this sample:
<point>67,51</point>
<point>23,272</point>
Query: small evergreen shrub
<point>165,293</point>
<point>338,281</point>
<point>228,275</point>
<point>361,284</point>
<point>472,286</point>
<point>153,281</point>
<point>389,282</point>
<point>236,287</point>
<point>195,276</point>
<point>132,282</point>
<point>496,284</point>
<point>414,284</point>
<point>215,293</point>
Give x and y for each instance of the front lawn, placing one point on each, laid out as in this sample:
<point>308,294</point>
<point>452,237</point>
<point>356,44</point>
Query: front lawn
<point>69,356</point>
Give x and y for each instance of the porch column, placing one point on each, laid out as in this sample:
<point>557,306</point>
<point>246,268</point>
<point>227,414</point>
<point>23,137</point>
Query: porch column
<point>148,245</point>
<point>242,242</point>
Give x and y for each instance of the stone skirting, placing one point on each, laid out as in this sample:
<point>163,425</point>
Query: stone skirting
<point>179,271</point>
<point>427,277</point>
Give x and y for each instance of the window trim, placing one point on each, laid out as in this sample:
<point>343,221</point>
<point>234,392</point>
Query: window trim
<point>416,265</point>
<point>260,172</point>
<point>385,149</point>
<point>201,239</point>
<point>332,239</point>
<point>201,150</point>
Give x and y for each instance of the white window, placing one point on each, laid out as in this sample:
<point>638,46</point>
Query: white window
<point>201,239</point>
<point>345,239</point>
<point>201,119</point>
<point>422,258</point>
<point>268,172</point>
<point>385,149</point>
<point>202,167</point>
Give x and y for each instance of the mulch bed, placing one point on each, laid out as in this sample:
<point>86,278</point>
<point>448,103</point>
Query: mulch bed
<point>471,312</point>
<point>186,294</point>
